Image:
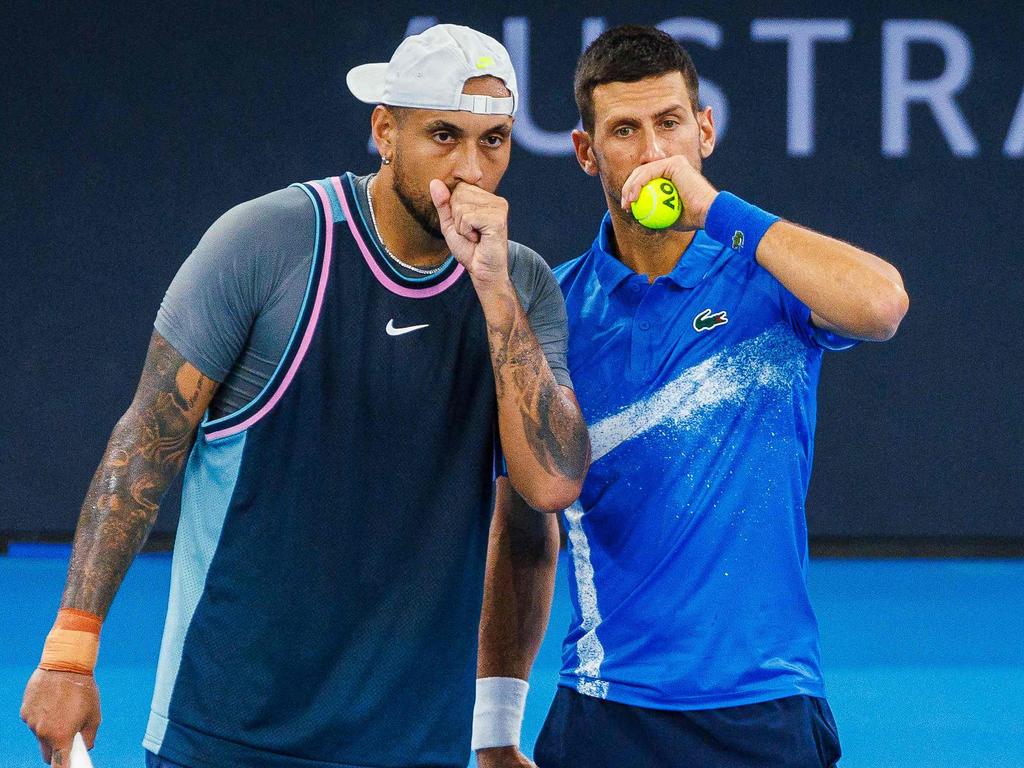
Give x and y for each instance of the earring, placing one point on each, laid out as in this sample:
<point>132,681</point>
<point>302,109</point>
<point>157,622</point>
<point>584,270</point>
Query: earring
<point>386,160</point>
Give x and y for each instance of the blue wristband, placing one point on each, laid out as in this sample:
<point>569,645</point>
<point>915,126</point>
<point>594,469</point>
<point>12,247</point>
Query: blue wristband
<point>736,223</point>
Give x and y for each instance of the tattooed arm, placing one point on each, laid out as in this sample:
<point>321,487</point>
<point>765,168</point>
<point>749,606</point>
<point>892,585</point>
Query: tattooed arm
<point>543,434</point>
<point>145,452</point>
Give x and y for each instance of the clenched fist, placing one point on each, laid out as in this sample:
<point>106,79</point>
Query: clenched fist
<point>474,223</point>
<point>56,706</point>
<point>695,191</point>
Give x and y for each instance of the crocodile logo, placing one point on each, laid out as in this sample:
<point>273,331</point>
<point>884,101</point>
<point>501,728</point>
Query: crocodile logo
<point>708,320</point>
<point>737,240</point>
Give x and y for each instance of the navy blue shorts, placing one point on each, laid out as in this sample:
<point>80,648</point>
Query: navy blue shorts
<point>584,732</point>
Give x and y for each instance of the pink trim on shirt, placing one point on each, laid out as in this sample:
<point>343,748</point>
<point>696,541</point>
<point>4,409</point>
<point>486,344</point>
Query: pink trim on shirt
<point>382,278</point>
<point>307,337</point>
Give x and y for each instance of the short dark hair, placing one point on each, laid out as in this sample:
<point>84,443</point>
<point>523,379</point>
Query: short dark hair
<point>627,54</point>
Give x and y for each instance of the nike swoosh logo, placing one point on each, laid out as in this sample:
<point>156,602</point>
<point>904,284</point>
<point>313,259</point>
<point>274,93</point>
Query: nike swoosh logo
<point>392,331</point>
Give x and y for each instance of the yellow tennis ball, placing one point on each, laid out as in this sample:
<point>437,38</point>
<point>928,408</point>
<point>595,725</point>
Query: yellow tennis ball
<point>659,205</point>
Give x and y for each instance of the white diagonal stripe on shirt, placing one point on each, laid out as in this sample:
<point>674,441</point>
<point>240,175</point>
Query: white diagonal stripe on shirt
<point>723,377</point>
<point>768,360</point>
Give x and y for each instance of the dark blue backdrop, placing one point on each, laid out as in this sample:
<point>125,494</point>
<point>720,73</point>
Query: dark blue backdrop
<point>897,126</point>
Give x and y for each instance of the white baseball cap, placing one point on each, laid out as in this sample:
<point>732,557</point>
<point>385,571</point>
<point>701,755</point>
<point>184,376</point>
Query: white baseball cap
<point>429,71</point>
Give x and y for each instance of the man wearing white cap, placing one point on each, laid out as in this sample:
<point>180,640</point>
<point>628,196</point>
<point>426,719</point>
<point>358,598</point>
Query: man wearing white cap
<point>366,351</point>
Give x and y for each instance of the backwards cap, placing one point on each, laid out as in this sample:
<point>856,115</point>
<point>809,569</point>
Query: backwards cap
<point>429,71</point>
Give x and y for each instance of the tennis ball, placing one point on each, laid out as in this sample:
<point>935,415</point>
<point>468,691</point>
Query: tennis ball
<point>658,205</point>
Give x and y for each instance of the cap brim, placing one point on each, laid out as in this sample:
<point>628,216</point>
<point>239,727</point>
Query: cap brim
<point>367,82</point>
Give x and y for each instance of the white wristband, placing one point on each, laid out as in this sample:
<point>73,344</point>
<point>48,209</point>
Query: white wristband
<point>498,712</point>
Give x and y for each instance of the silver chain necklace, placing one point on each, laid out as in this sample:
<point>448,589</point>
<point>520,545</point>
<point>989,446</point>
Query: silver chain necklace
<point>410,267</point>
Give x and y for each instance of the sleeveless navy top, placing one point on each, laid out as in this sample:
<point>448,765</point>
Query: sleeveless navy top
<point>328,569</point>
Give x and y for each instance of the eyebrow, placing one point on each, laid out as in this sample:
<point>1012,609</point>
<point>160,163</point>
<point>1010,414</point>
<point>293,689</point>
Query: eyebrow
<point>443,125</point>
<point>634,118</point>
<point>503,128</point>
<point>673,108</point>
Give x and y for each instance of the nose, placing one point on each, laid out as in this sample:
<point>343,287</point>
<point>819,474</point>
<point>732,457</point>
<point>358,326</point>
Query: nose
<point>651,148</point>
<point>467,164</point>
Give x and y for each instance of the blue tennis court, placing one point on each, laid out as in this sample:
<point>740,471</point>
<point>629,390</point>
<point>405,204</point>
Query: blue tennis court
<point>924,658</point>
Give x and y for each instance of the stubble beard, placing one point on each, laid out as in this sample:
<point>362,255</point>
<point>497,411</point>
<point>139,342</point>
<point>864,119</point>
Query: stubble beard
<point>418,205</point>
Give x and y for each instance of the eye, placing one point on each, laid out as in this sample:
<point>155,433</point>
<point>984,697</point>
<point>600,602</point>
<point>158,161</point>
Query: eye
<point>670,123</point>
<point>494,141</point>
<point>624,131</point>
<point>443,137</point>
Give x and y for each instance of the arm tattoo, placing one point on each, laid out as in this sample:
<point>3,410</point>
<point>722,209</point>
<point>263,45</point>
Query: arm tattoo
<point>556,434</point>
<point>146,450</point>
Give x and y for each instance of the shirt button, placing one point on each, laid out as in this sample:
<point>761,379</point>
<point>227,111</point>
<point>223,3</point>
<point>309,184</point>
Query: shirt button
<point>644,325</point>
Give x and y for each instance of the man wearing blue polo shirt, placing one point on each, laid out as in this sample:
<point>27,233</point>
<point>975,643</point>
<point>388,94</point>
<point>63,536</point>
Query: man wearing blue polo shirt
<point>695,352</point>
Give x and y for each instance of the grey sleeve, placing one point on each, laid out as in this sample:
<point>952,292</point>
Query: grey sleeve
<point>235,273</point>
<point>545,308</point>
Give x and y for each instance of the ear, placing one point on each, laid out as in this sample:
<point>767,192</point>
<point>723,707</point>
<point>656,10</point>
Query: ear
<point>584,147</point>
<point>383,127</point>
<point>706,126</point>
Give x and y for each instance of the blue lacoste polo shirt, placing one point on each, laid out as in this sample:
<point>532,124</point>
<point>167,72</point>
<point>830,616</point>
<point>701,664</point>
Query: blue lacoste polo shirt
<point>689,542</point>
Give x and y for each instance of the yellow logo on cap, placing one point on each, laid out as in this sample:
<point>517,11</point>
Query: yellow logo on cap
<point>484,62</point>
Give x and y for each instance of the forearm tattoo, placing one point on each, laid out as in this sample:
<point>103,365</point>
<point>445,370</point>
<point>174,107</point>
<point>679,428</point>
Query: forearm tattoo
<point>146,451</point>
<point>555,431</point>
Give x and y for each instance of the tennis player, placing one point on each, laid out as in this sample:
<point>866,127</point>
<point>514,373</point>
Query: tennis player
<point>695,352</point>
<point>367,349</point>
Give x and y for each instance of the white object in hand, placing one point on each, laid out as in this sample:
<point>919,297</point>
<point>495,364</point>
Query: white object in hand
<point>79,754</point>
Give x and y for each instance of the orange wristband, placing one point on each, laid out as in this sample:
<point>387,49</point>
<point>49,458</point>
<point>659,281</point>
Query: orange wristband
<point>74,642</point>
